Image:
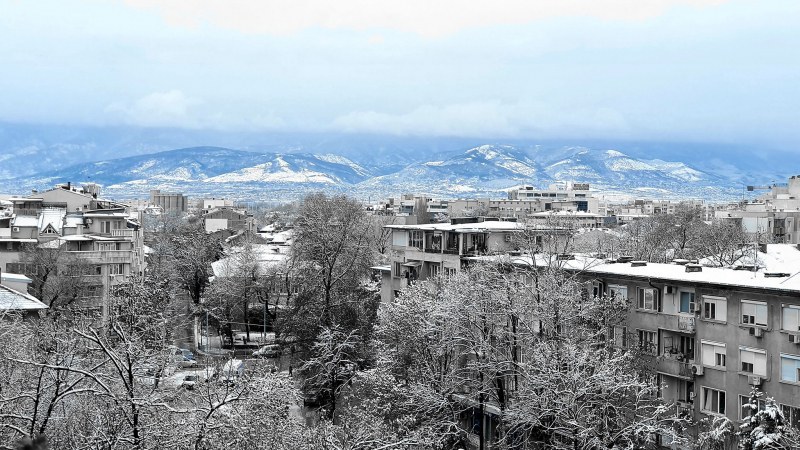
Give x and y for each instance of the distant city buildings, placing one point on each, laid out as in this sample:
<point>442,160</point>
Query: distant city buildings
<point>775,215</point>
<point>169,202</point>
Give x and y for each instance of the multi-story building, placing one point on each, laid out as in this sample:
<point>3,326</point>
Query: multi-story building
<point>775,214</point>
<point>228,219</point>
<point>423,251</point>
<point>101,236</point>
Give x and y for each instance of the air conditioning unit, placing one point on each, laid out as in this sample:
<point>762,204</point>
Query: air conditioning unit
<point>794,339</point>
<point>15,229</point>
<point>670,289</point>
<point>697,369</point>
<point>756,332</point>
<point>508,237</point>
<point>754,380</point>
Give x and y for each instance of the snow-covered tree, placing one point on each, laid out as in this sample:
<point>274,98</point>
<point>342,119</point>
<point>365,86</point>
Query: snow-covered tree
<point>764,428</point>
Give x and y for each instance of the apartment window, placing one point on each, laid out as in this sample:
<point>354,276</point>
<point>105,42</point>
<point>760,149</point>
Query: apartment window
<point>434,269</point>
<point>615,290</point>
<point>647,341</point>
<point>754,313</point>
<point>116,269</point>
<point>713,401</point>
<point>450,272</point>
<point>790,318</point>
<point>744,406</point>
<point>791,414</point>
<point>715,308</point>
<point>648,299</point>
<point>398,269</point>
<point>415,239</point>
<point>790,368</point>
<point>713,354</point>
<point>687,302</point>
<point>105,226</point>
<point>753,361</point>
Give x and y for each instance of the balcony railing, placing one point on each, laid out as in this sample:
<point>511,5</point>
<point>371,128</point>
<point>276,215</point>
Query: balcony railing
<point>671,366</point>
<point>105,256</point>
<point>122,233</point>
<point>687,324</point>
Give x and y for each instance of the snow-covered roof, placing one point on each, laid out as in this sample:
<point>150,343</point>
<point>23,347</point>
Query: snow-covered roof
<point>474,227</point>
<point>778,258</point>
<point>52,216</point>
<point>25,221</point>
<point>13,300</point>
<point>15,277</point>
<point>664,272</point>
<point>265,255</point>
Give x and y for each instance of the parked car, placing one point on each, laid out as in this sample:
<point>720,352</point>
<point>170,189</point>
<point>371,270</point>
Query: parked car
<point>268,351</point>
<point>189,381</point>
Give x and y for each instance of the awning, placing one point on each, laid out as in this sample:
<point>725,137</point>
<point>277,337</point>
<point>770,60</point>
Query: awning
<point>412,264</point>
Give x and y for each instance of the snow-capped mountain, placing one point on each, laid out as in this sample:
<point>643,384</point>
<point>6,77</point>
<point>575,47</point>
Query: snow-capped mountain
<point>479,171</point>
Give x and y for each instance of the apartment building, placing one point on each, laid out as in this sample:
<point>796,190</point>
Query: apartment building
<point>775,214</point>
<point>228,219</point>
<point>713,334</point>
<point>423,251</point>
<point>101,236</point>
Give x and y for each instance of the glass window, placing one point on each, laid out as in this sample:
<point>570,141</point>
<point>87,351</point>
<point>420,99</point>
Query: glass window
<point>791,414</point>
<point>648,299</point>
<point>713,401</point>
<point>790,318</point>
<point>713,354</point>
<point>415,239</point>
<point>744,406</point>
<point>790,368</point>
<point>687,302</point>
<point>715,308</point>
<point>753,361</point>
<point>754,313</point>
<point>618,290</point>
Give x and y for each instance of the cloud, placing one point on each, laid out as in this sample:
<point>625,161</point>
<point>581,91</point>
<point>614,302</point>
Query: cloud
<point>163,109</point>
<point>175,109</point>
<point>423,17</point>
<point>492,118</point>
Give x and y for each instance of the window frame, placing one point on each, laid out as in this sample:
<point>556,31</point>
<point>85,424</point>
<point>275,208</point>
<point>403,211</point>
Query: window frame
<point>647,346</point>
<point>641,299</point>
<point>721,400</point>
<point>752,320</point>
<point>716,302</point>
<point>787,306</point>
<point>715,347</point>
<point>754,351</point>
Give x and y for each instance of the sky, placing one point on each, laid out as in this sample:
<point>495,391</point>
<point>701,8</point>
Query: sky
<point>690,70</point>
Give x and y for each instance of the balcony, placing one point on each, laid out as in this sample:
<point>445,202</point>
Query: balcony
<point>687,324</point>
<point>123,233</point>
<point>105,256</point>
<point>669,365</point>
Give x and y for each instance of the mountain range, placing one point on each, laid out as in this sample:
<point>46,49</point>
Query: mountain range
<point>485,170</point>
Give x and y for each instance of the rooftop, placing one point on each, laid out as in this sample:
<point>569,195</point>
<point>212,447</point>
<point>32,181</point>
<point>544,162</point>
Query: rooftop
<point>13,300</point>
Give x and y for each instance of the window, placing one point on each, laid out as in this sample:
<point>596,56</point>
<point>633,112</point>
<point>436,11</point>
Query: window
<point>647,341</point>
<point>754,313</point>
<point>398,269</point>
<point>648,299</point>
<point>753,361</point>
<point>434,269</point>
<point>105,226</point>
<point>615,290</point>
<point>713,401</point>
<point>744,406</point>
<point>687,302</point>
<point>791,414</point>
<point>713,354</point>
<point>715,308</point>
<point>790,318</point>
<point>451,272</point>
<point>790,368</point>
<point>116,269</point>
<point>415,239</point>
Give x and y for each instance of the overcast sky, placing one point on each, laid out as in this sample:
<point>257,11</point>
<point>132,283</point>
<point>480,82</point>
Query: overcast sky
<point>706,70</point>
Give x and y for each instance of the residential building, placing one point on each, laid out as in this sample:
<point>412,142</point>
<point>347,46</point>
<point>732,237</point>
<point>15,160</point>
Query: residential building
<point>15,299</point>
<point>228,219</point>
<point>208,204</point>
<point>102,236</point>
